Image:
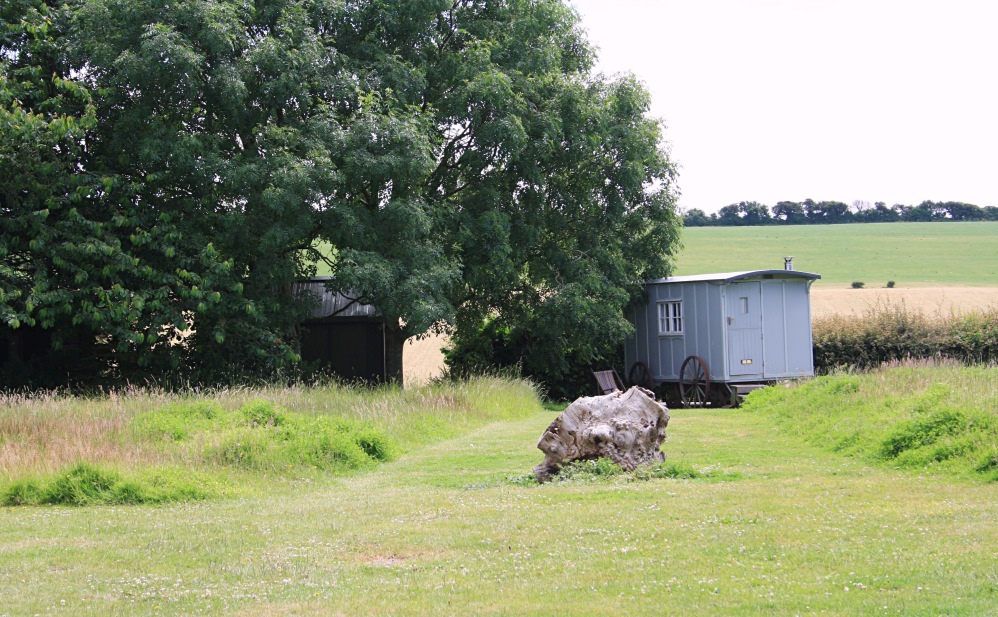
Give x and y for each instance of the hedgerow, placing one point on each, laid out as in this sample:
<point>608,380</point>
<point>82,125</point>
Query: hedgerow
<point>893,332</point>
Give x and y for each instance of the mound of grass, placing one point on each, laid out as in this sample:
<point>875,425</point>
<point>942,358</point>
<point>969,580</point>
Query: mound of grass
<point>85,484</point>
<point>929,416</point>
<point>259,436</point>
<point>178,421</point>
<point>262,436</point>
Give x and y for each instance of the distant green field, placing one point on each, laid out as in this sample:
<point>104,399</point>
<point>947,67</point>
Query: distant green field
<point>907,253</point>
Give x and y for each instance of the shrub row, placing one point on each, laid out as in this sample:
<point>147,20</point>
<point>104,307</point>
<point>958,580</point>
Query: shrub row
<point>893,332</point>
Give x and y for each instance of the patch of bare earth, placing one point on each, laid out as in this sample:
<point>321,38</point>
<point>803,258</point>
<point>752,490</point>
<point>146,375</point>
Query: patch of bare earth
<point>929,300</point>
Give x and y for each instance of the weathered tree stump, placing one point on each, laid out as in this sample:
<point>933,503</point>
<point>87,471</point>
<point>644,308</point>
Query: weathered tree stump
<point>625,427</point>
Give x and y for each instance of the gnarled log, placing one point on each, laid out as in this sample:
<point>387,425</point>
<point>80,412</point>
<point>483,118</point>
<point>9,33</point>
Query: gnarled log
<point>626,427</point>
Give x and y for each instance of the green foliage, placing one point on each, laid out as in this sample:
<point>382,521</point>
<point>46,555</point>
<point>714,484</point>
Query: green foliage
<point>462,161</point>
<point>548,198</point>
<point>589,471</point>
<point>86,485</point>
<point>261,413</point>
<point>243,448</point>
<point>262,436</point>
<point>374,444</point>
<point>988,467</point>
<point>910,416</point>
<point>887,332</point>
<point>890,285</point>
<point>857,284</point>
<point>973,337</point>
<point>922,432</point>
<point>96,260</point>
<point>677,471</point>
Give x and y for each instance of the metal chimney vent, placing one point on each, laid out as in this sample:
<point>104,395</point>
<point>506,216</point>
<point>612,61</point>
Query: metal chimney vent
<point>788,263</point>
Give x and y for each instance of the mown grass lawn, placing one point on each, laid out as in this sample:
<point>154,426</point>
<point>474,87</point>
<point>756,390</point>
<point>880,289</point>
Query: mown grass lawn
<point>452,529</point>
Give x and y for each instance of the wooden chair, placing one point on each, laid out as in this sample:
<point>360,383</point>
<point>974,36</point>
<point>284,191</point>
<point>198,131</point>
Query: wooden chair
<point>608,381</point>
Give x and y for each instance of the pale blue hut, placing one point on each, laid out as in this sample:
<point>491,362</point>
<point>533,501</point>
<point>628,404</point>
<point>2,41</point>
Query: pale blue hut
<point>708,339</point>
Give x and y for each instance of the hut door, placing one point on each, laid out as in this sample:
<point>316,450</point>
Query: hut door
<point>745,356</point>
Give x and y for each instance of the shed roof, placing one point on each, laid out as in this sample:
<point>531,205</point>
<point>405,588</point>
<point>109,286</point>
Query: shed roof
<point>728,277</point>
<point>332,303</point>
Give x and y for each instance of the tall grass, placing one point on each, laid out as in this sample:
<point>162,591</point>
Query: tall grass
<point>892,331</point>
<point>45,432</point>
<point>924,415</point>
<point>145,434</point>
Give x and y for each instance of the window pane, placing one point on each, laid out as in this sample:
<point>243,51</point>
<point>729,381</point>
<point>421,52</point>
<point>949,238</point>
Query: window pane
<point>670,317</point>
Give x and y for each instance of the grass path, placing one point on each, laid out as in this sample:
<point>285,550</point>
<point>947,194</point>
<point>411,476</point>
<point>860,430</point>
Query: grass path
<point>444,532</point>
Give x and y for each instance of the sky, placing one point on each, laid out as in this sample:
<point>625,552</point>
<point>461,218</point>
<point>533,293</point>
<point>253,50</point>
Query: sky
<point>844,100</point>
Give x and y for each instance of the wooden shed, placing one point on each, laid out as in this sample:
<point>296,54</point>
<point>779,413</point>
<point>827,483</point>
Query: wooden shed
<point>710,338</point>
<point>342,334</point>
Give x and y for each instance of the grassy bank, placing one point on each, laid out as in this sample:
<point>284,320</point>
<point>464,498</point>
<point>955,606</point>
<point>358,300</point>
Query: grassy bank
<point>149,446</point>
<point>925,416</point>
<point>907,253</point>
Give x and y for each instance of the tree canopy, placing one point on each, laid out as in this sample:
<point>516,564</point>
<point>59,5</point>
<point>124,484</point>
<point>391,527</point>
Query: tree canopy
<point>185,160</point>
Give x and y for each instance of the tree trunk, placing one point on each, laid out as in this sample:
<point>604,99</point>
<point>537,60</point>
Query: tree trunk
<point>395,339</point>
<point>625,427</point>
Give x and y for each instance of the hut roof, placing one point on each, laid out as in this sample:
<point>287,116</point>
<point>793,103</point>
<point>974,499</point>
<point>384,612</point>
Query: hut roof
<point>727,277</point>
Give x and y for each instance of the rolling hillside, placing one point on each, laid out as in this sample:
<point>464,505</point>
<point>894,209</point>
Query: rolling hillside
<point>911,254</point>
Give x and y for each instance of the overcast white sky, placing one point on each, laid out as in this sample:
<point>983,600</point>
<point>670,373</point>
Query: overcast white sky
<point>770,100</point>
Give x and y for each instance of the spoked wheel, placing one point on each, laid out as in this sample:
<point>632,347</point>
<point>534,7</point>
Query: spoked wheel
<point>640,375</point>
<point>694,382</point>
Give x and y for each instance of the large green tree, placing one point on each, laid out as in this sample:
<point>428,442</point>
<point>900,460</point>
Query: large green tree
<point>549,196</point>
<point>461,158</point>
<point>86,256</point>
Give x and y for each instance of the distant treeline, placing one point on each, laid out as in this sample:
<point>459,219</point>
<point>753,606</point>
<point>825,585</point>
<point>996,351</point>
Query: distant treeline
<point>810,212</point>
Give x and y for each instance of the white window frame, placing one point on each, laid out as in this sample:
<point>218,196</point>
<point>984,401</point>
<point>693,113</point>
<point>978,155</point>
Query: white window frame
<point>670,318</point>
